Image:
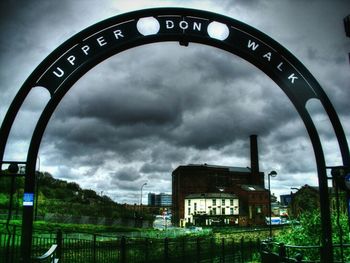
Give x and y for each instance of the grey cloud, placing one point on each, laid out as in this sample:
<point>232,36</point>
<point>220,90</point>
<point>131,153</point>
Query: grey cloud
<point>153,120</point>
<point>241,4</point>
<point>69,172</point>
<point>168,153</point>
<point>126,174</point>
<point>155,168</point>
<point>125,185</point>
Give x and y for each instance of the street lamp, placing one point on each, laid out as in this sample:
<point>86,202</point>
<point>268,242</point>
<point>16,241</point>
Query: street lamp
<point>292,202</point>
<point>141,203</point>
<point>141,194</point>
<point>271,174</point>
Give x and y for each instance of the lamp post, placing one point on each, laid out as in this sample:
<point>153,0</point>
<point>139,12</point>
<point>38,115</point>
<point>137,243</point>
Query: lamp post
<point>141,193</point>
<point>271,174</point>
<point>141,203</point>
<point>292,205</point>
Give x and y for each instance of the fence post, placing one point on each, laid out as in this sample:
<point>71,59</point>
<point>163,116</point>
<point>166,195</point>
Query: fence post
<point>282,251</point>
<point>233,250</point>
<point>123,250</point>
<point>183,248</point>
<point>223,249</point>
<point>59,241</point>
<point>242,249</point>
<point>8,254</point>
<point>166,250</point>
<point>258,246</point>
<point>146,250</point>
<point>251,249</point>
<point>94,248</point>
<point>198,249</point>
<point>12,253</point>
<point>211,249</point>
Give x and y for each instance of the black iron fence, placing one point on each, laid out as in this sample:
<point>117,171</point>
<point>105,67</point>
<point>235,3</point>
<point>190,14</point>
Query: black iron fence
<point>272,252</point>
<point>94,248</point>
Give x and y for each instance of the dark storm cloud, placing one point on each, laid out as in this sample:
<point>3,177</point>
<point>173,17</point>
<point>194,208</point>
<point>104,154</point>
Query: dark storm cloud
<point>166,118</point>
<point>155,168</point>
<point>293,154</point>
<point>114,125</point>
<point>161,107</point>
<point>234,4</point>
<point>126,174</point>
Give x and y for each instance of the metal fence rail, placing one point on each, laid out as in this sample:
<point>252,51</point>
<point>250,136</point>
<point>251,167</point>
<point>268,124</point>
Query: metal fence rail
<point>279,252</point>
<point>103,249</point>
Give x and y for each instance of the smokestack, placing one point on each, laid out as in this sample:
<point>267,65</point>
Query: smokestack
<point>254,158</point>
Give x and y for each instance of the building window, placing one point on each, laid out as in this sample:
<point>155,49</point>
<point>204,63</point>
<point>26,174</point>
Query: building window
<point>258,209</point>
<point>214,211</point>
<point>223,211</point>
<point>231,211</point>
<point>195,207</point>
<point>231,202</point>
<point>189,210</point>
<point>223,202</point>
<point>189,202</point>
<point>214,201</point>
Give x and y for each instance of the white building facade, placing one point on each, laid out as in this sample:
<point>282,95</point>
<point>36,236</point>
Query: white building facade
<point>210,209</point>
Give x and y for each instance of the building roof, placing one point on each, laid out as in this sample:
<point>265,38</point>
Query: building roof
<point>251,188</point>
<point>211,195</point>
<point>230,168</point>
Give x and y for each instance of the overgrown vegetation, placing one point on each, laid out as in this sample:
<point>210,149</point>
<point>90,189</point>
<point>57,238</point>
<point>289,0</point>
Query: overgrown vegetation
<point>65,198</point>
<point>42,226</point>
<point>308,233</point>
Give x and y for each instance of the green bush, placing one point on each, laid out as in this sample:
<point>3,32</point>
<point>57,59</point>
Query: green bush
<point>309,232</point>
<point>4,200</point>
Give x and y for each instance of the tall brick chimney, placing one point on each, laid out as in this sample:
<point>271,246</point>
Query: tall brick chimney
<point>254,159</point>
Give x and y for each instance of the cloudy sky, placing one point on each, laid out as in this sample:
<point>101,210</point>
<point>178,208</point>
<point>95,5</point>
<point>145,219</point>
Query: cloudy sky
<point>138,115</point>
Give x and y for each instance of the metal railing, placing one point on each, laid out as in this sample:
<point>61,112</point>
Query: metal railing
<point>279,252</point>
<point>94,248</point>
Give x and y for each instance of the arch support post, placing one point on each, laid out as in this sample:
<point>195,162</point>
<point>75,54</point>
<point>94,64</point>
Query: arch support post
<point>29,189</point>
<point>326,225</point>
<point>327,244</point>
<point>27,219</point>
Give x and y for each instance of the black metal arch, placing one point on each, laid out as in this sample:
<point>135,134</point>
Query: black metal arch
<point>64,66</point>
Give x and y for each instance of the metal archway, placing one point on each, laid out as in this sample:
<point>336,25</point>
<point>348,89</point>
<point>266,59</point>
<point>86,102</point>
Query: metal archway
<point>70,61</point>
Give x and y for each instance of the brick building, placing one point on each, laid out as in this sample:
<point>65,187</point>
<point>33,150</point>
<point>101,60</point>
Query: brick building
<point>244,182</point>
<point>307,198</point>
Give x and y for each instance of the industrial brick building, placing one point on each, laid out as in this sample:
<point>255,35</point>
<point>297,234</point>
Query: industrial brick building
<point>244,182</point>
